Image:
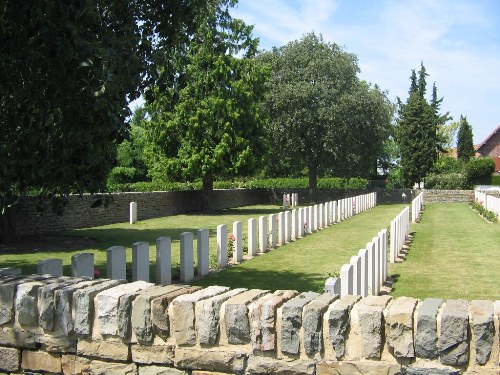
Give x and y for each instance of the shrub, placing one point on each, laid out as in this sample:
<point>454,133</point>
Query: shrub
<point>479,170</point>
<point>447,164</point>
<point>122,175</point>
<point>446,181</point>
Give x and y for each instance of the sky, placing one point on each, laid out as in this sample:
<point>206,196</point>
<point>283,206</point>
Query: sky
<point>458,42</point>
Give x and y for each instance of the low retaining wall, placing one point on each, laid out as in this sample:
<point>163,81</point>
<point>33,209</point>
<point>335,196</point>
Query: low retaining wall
<point>77,326</point>
<point>80,214</point>
<point>448,196</point>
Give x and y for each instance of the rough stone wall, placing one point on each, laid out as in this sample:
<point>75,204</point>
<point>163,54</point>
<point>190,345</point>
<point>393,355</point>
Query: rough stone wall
<point>448,196</point>
<point>77,326</point>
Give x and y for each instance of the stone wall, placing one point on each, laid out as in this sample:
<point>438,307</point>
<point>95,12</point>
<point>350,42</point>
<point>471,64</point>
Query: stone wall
<point>77,326</point>
<point>448,196</point>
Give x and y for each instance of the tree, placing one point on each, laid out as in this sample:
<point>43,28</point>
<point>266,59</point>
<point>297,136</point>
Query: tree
<point>208,124</point>
<point>308,79</point>
<point>416,130</point>
<point>69,70</point>
<point>465,145</point>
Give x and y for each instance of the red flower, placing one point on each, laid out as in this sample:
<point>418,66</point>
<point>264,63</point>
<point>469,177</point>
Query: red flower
<point>97,273</point>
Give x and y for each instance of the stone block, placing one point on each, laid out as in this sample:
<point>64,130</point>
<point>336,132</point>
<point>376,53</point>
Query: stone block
<point>429,369</point>
<point>26,303</point>
<point>483,329</point>
<point>426,338</point>
<point>72,364</point>
<point>82,265</point>
<point>52,267</point>
<point>208,315</point>
<point>453,341</point>
<point>83,302</point>
<point>18,337</point>
<point>263,319</point>
<point>107,368</point>
<point>141,319</point>
<point>10,271</point>
<point>9,359</point>
<point>371,322</point>
<point>153,354</point>
<point>183,315</point>
<point>113,308</point>
<point>235,311</point>
<point>160,370</point>
<point>357,368</point>
<point>312,323</point>
<point>109,350</point>
<point>399,327</point>
<point>57,344</point>
<point>212,360</point>
<point>339,315</point>
<point>159,310</point>
<point>291,322</point>
<point>262,365</point>
<point>41,361</point>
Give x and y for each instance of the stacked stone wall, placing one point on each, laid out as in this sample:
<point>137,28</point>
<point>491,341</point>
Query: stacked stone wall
<point>448,196</point>
<point>67,325</point>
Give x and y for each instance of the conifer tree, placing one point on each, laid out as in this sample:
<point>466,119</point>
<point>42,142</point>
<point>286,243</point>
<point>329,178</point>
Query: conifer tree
<point>465,145</point>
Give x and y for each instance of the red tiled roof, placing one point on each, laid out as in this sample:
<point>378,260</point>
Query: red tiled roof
<point>488,138</point>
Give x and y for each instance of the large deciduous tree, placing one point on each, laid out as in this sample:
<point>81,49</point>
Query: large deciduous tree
<point>69,70</point>
<point>208,123</point>
<point>465,144</point>
<point>322,118</point>
<point>416,131</point>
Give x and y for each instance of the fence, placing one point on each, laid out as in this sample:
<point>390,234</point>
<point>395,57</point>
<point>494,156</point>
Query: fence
<point>489,202</point>
<point>263,234</point>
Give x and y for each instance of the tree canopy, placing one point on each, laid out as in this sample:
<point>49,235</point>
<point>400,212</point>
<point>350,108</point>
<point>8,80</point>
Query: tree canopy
<point>465,144</point>
<point>416,131</point>
<point>208,123</point>
<point>321,115</point>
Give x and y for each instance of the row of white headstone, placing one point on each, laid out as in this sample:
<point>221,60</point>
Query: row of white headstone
<point>417,205</point>
<point>264,234</point>
<point>489,202</point>
<point>290,200</point>
<point>400,229</point>
<point>366,272</point>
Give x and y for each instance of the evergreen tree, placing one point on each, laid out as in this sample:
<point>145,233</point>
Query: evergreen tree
<point>416,130</point>
<point>465,145</point>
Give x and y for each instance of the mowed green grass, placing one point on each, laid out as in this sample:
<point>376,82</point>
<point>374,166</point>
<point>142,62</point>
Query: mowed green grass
<point>455,254</point>
<point>304,265</point>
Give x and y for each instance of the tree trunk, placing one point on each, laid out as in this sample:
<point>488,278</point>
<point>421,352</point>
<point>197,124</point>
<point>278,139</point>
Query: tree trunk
<point>206,192</point>
<point>6,230</point>
<point>313,182</point>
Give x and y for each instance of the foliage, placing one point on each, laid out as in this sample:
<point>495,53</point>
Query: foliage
<point>495,180</point>
<point>446,134</point>
<point>447,164</point>
<point>208,124</point>
<point>395,179</point>
<point>446,181</point>
<point>69,70</point>
<point>479,169</point>
<point>465,145</point>
<point>488,215</point>
<point>416,130</point>
<point>319,112</point>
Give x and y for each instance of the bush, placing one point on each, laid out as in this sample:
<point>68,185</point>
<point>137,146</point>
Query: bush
<point>479,170</point>
<point>446,181</point>
<point>122,175</point>
<point>447,164</point>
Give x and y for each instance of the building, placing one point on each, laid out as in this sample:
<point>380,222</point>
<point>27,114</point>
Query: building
<point>491,147</point>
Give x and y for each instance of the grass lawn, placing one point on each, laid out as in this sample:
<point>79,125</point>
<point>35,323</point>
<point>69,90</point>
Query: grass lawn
<point>455,254</point>
<point>305,264</point>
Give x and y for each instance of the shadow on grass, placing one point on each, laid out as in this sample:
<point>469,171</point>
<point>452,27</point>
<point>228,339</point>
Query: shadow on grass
<point>239,277</point>
<point>240,211</point>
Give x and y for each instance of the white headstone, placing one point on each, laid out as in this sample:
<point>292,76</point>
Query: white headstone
<point>238,241</point>
<point>82,265</point>
<point>116,263</point>
<point>346,283</point>
<point>263,235</point>
<point>202,247</point>
<point>273,225</point>
<point>52,267</point>
<point>295,224</point>
<point>310,220</point>
<point>370,247</point>
<point>332,285</point>
<point>356,275</point>
<point>140,261</point>
<point>133,212</point>
<point>186,246</point>
<point>363,256</point>
<point>288,226</point>
<point>221,246</point>
<point>281,228</point>
<point>163,261</point>
<point>252,237</point>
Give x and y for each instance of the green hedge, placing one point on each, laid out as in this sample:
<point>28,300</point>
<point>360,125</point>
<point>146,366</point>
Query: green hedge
<point>272,183</point>
<point>446,181</point>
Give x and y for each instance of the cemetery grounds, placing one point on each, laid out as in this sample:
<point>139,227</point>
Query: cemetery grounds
<point>454,253</point>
